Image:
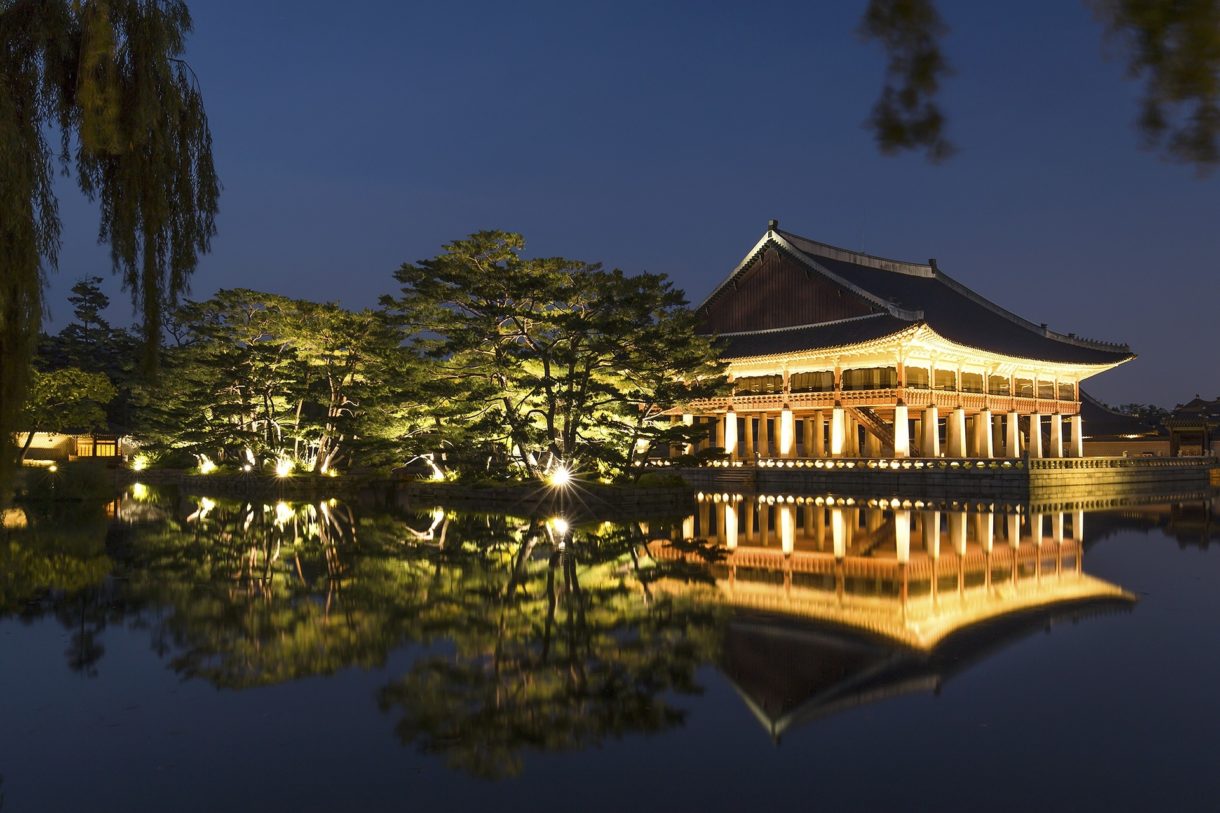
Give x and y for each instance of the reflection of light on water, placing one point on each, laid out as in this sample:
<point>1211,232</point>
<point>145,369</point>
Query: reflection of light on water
<point>283,513</point>
<point>206,504</point>
<point>139,491</point>
<point>14,518</point>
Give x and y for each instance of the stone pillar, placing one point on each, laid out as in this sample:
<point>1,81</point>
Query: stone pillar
<point>1035,434</point>
<point>807,449</point>
<point>957,433</point>
<point>902,432</point>
<point>902,536</point>
<point>721,430</point>
<point>749,438</point>
<point>838,432</point>
<point>787,434</point>
<point>1056,449</point>
<point>984,530</point>
<point>997,435</point>
<point>931,432</point>
<point>730,526</point>
<point>931,535</point>
<point>1012,443</point>
<point>957,532</point>
<point>728,434</point>
<point>982,424</point>
<point>787,528</point>
<point>1077,447</point>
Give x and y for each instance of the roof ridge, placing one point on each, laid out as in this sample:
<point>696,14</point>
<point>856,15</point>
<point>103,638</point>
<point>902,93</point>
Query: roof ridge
<point>927,269</point>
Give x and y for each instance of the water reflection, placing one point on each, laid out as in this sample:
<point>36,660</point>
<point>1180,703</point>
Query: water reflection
<point>524,634</point>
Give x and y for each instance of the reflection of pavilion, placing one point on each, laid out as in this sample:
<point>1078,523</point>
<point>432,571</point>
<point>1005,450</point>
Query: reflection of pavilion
<point>842,602</point>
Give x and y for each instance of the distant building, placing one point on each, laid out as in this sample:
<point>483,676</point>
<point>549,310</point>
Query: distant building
<point>1194,427</point>
<point>1109,433</point>
<point>834,353</point>
<point>65,446</point>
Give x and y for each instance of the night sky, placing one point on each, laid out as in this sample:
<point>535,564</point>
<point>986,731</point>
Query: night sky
<point>662,137</point>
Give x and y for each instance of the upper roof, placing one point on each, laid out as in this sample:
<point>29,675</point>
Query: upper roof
<point>902,293</point>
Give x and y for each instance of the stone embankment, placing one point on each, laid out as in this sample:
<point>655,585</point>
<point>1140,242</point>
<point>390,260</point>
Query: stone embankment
<point>575,501</point>
<point>1009,480</point>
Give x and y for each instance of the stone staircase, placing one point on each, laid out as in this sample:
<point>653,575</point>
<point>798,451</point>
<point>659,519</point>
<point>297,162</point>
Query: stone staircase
<point>873,423</point>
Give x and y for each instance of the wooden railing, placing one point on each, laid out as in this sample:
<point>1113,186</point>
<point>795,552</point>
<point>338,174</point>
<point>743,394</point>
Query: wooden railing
<point>913,397</point>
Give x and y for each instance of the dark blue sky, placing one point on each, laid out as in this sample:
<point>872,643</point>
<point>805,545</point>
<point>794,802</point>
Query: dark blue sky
<point>662,137</point>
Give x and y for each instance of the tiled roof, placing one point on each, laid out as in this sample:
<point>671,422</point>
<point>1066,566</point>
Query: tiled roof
<point>827,334</point>
<point>952,309</point>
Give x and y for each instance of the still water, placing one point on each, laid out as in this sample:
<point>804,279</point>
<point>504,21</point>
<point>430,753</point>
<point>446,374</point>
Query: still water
<point>170,652</point>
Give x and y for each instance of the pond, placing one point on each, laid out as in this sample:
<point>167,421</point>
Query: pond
<point>168,651</point>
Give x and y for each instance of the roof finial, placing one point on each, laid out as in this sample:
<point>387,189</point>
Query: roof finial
<point>772,225</point>
<point>932,263</point>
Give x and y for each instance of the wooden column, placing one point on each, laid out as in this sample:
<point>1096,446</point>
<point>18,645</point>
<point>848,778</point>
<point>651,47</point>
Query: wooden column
<point>749,437</point>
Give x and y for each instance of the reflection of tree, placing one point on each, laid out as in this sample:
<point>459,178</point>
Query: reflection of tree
<point>61,553</point>
<point>564,649</point>
<point>552,640</point>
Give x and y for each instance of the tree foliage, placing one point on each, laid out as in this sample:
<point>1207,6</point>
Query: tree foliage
<point>65,400</point>
<point>1173,45</point>
<point>552,361</point>
<point>109,77</point>
<point>255,378</point>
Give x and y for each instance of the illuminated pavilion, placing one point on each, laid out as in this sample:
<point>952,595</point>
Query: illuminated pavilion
<point>834,353</point>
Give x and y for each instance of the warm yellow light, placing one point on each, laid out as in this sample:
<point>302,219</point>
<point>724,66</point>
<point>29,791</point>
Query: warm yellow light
<point>139,463</point>
<point>139,491</point>
<point>206,466</point>
<point>283,467</point>
<point>53,468</point>
<point>332,473</point>
<point>247,467</point>
<point>560,525</point>
<point>559,476</point>
<point>283,513</point>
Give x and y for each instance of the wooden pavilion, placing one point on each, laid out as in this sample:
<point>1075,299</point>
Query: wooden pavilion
<point>834,353</point>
